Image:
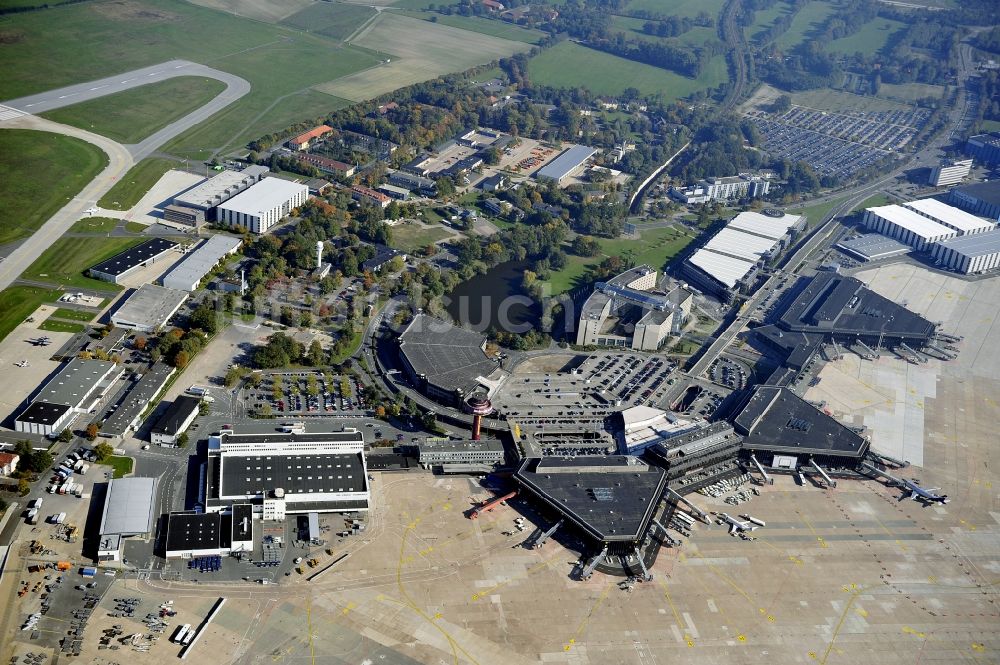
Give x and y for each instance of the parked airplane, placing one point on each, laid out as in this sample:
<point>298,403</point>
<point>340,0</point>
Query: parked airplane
<point>23,363</point>
<point>918,493</point>
<point>736,526</point>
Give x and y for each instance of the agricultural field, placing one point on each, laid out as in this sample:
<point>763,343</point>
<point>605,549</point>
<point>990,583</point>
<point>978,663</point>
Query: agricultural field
<point>417,51</point>
<point>27,158</point>
<point>18,302</point>
<point>86,43</point>
<point>805,22</point>
<point>689,8</point>
<point>65,261</point>
<point>411,237</point>
<point>478,24</point>
<point>335,20</point>
<point>133,185</point>
<point>870,39</point>
<point>132,115</point>
<point>269,11</point>
<point>654,247</point>
<point>826,99</point>
<point>570,65</point>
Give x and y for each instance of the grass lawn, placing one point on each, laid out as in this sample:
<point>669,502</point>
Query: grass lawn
<point>570,65</point>
<point>132,115</point>
<point>133,186</point>
<point>870,39</point>
<point>871,201</point>
<point>18,302</point>
<point>910,92</point>
<point>335,20</point>
<point>990,125</point>
<point>814,213</point>
<point>689,8</point>
<point>411,237</point>
<point>96,225</point>
<point>655,247</point>
<point>355,343</point>
<point>65,261</point>
<point>121,465</point>
<point>27,158</point>
<point>73,315</point>
<point>632,29</point>
<point>484,26</point>
<point>135,227</point>
<point>89,40</point>
<point>53,325</point>
<point>826,99</point>
<point>807,20</point>
<point>765,18</point>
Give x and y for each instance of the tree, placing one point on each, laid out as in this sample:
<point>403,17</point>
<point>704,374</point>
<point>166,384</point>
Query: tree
<point>585,246</point>
<point>103,451</point>
<point>140,343</point>
<point>316,353</point>
<point>265,411</point>
<point>66,435</point>
<point>380,412</point>
<point>204,318</point>
<point>233,376</point>
<point>182,439</point>
<point>182,359</point>
<point>23,487</point>
<point>92,430</point>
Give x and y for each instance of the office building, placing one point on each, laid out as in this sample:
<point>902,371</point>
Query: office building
<point>447,456</point>
<point>950,173</point>
<point>985,148</point>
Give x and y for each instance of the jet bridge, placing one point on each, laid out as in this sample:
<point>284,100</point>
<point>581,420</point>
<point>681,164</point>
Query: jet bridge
<point>829,481</point>
<point>672,493</point>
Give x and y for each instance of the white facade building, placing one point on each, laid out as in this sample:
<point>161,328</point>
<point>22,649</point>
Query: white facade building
<point>950,173</point>
<point>950,216</point>
<point>906,226</point>
<point>263,205</point>
<point>970,254</point>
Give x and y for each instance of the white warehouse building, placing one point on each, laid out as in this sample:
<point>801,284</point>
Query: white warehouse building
<point>907,226</point>
<point>263,205</point>
<point>975,253</point>
<point>954,218</point>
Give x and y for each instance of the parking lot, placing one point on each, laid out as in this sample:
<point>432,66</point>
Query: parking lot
<point>598,385</point>
<point>306,394</point>
<point>838,144</point>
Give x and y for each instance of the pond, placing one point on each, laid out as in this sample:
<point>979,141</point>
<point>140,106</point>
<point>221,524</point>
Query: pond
<point>495,300</point>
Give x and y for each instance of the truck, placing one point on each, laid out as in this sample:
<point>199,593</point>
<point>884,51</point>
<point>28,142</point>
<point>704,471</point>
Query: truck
<point>82,467</point>
<point>188,638</point>
<point>181,633</point>
<point>60,518</point>
<point>35,503</point>
<point>33,516</point>
<point>293,428</point>
<point>197,390</point>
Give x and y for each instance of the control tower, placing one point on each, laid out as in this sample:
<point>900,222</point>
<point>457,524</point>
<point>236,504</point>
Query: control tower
<point>479,405</point>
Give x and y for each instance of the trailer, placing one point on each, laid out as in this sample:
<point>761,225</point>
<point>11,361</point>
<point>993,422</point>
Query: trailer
<point>33,516</point>
<point>35,503</point>
<point>181,633</point>
<point>60,518</point>
<point>82,467</point>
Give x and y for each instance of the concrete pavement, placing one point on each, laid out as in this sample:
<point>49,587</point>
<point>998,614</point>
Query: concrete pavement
<point>236,87</point>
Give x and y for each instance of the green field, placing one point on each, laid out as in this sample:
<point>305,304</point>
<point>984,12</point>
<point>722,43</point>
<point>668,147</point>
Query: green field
<point>689,8</point>
<point>411,237</point>
<point>73,315</point>
<point>132,115</point>
<point>122,465</point>
<point>806,21</point>
<point>989,125</point>
<point>54,325</point>
<point>96,225</point>
<point>910,92</point>
<point>826,99</point>
<point>655,247</point>
<point>484,26</point>
<point>65,261</point>
<point>335,20</point>
<point>632,29</point>
<point>814,213</point>
<point>765,18</point>
<point>133,185</point>
<point>18,302</point>
<point>27,158</point>
<point>569,65</point>
<point>870,39</point>
<point>90,40</point>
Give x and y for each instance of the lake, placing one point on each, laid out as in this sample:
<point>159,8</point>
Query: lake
<point>495,300</point>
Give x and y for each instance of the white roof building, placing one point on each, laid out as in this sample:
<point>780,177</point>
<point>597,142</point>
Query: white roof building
<point>950,216</point>
<point>907,226</point>
<point>187,274</point>
<point>263,205</point>
<point>644,426</point>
